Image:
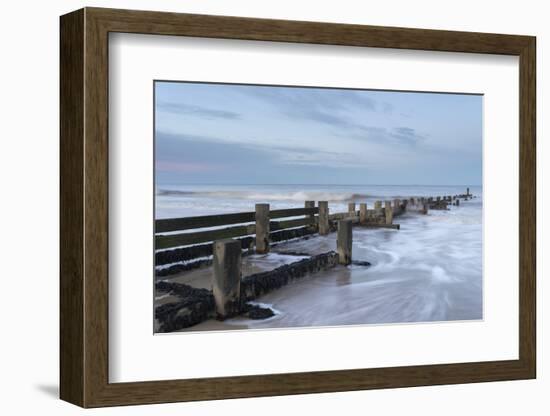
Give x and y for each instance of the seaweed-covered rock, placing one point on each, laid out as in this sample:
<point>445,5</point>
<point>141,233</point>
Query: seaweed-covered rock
<point>182,267</point>
<point>260,283</point>
<point>195,306</point>
<point>360,263</point>
<point>193,252</point>
<point>256,311</point>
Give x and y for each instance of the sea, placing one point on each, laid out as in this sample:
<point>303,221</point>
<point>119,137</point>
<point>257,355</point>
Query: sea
<point>431,270</point>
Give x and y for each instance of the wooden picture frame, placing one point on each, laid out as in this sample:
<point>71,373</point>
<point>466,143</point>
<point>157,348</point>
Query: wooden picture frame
<point>84,207</point>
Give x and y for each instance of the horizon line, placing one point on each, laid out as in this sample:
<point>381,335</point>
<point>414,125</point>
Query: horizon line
<point>312,184</point>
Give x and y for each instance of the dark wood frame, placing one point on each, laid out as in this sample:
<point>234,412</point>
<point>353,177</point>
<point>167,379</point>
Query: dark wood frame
<point>84,208</point>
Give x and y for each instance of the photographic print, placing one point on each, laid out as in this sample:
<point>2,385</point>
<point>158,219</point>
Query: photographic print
<point>293,206</point>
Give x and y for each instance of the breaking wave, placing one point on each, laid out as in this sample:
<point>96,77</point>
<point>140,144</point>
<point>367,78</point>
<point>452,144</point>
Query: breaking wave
<point>269,196</point>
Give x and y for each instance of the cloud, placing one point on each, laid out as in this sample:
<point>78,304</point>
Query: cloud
<point>192,153</point>
<point>406,135</point>
<point>387,108</point>
<point>195,110</point>
<point>313,157</point>
<point>184,167</point>
<point>325,106</point>
<point>332,107</point>
<point>287,134</point>
<point>384,136</point>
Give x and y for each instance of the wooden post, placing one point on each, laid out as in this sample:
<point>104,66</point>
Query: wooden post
<point>262,228</point>
<point>310,204</point>
<point>467,191</point>
<point>424,208</point>
<point>226,277</point>
<point>344,242</point>
<point>378,205</point>
<point>323,218</point>
<point>457,202</point>
<point>438,199</point>
<point>363,213</point>
<point>397,204</point>
<point>389,212</point>
<point>351,209</point>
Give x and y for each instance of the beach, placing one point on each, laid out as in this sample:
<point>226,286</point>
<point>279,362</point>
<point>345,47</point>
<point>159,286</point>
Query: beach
<point>428,271</point>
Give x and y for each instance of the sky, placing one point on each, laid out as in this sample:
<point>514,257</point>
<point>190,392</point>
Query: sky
<point>248,134</point>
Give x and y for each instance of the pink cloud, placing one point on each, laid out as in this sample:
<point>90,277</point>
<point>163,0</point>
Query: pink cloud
<point>165,166</point>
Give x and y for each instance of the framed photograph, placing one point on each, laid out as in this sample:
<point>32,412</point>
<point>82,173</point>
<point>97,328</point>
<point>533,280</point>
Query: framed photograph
<point>255,207</point>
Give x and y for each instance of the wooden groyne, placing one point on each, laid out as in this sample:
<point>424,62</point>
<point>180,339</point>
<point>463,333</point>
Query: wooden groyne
<point>194,305</point>
<point>221,240</point>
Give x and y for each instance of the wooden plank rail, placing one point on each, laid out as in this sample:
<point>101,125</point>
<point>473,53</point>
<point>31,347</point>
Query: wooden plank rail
<point>188,223</point>
<point>193,252</point>
<point>299,222</point>
<point>292,212</point>
<point>184,239</point>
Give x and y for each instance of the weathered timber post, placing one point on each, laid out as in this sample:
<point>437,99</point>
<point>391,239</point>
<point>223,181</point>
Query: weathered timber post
<point>323,218</point>
<point>344,242</point>
<point>351,209</point>
<point>424,208</point>
<point>262,228</point>
<point>467,191</point>
<point>397,204</point>
<point>438,199</point>
<point>457,202</point>
<point>378,205</point>
<point>362,213</point>
<point>226,278</point>
<point>311,217</point>
<point>389,212</point>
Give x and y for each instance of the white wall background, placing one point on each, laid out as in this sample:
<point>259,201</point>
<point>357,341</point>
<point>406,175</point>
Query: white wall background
<point>29,181</point>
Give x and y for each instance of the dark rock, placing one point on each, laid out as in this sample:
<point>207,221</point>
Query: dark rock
<point>257,312</point>
<point>195,306</point>
<point>293,253</point>
<point>360,263</point>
